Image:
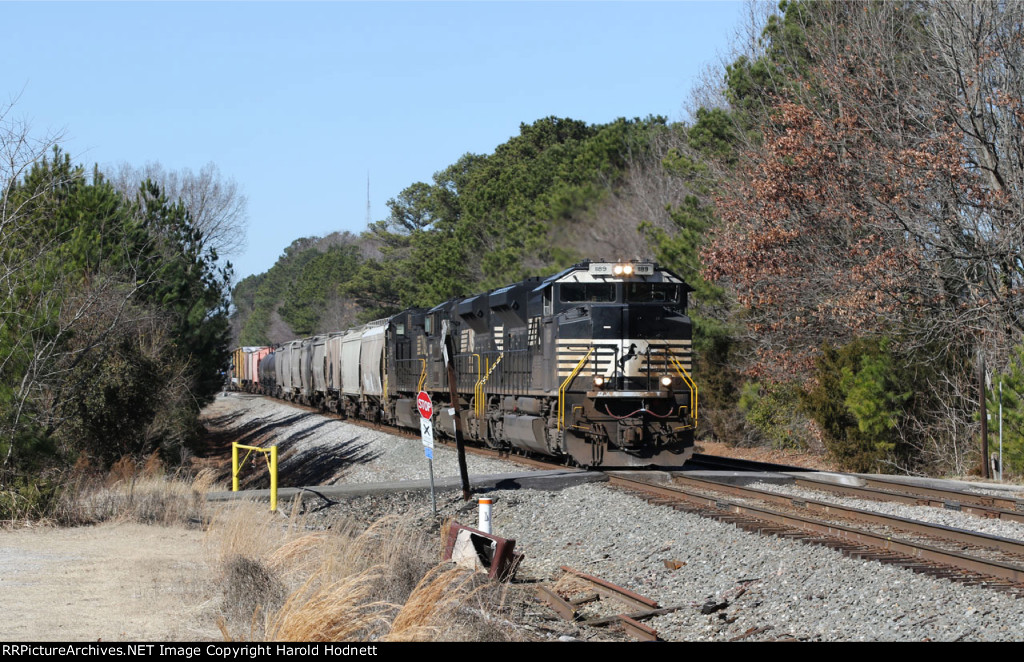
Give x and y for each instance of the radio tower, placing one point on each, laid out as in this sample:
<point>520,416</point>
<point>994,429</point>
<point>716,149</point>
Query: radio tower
<point>368,217</point>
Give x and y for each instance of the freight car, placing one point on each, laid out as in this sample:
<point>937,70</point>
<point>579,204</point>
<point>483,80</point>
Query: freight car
<point>591,364</point>
<point>243,373</point>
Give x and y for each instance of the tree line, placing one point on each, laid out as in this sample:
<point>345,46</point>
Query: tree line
<point>869,209</point>
<point>846,199</point>
<point>113,318</point>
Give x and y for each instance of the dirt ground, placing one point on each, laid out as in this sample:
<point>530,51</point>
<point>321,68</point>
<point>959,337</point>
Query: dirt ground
<point>114,582</point>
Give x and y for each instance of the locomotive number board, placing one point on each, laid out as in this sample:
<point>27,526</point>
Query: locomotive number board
<point>608,268</point>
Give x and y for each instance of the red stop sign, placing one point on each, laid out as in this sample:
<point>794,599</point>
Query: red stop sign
<point>424,404</point>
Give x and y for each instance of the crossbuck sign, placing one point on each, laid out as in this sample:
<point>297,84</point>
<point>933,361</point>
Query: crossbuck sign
<point>426,409</point>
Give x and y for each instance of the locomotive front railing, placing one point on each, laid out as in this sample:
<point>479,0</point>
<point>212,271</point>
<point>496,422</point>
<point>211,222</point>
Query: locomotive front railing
<point>565,385</point>
<point>689,382</point>
<point>479,398</point>
<point>658,358</point>
<point>423,376</point>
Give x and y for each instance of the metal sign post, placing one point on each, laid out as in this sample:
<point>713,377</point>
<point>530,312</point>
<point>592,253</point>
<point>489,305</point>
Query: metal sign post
<point>426,409</point>
<point>1000,429</point>
<point>983,390</point>
<point>449,361</point>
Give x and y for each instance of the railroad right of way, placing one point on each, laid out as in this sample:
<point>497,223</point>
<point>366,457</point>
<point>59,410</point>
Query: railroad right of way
<point>762,587</point>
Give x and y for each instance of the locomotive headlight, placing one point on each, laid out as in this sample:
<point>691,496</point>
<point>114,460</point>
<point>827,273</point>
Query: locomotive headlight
<point>628,269</point>
<point>599,381</point>
<point>666,381</point>
<point>617,270</point>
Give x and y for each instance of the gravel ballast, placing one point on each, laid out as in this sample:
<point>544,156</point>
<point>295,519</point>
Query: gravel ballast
<point>774,588</point>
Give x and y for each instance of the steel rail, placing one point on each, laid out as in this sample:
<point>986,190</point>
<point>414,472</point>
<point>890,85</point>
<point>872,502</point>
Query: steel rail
<point>629,622</point>
<point>880,489</point>
<point>909,549</point>
<point>912,497</point>
<point>860,515</point>
<point>608,589</point>
<point>958,496</point>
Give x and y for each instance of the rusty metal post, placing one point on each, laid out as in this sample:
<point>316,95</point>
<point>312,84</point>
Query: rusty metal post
<point>449,360</point>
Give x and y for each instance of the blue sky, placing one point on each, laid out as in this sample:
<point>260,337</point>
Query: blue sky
<point>299,102</point>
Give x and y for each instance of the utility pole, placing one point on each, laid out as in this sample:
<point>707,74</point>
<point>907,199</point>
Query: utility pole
<point>369,219</point>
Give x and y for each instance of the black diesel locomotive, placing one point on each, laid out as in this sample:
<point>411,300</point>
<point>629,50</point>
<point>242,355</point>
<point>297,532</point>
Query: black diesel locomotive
<point>592,363</point>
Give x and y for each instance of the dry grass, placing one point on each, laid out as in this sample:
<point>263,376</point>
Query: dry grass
<point>376,583</point>
<point>245,529</point>
<point>129,492</point>
<point>279,580</point>
<point>250,589</point>
<point>427,611</point>
<point>344,610</point>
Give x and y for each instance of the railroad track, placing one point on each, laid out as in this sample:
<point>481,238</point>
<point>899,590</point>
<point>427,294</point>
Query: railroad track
<point>633,608</point>
<point>1005,508</point>
<point>964,556</point>
<point>876,488</point>
<point>522,460</point>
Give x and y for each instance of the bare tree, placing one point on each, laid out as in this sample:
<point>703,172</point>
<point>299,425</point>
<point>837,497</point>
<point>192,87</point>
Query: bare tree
<point>884,193</point>
<point>215,204</point>
<point>887,187</point>
<point>746,42</point>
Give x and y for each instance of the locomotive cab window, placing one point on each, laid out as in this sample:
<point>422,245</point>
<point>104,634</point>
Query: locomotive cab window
<point>652,293</point>
<point>587,292</point>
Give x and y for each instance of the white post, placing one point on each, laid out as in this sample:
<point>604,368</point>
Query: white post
<point>485,516</point>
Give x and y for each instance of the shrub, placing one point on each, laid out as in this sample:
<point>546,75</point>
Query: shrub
<point>774,411</point>
<point>859,400</point>
<point>1012,382</point>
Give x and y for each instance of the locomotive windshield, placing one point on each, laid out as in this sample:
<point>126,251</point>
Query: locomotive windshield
<point>652,293</point>
<point>587,292</point>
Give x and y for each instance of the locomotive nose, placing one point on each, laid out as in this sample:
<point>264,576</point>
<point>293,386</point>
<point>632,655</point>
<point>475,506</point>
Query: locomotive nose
<point>653,322</point>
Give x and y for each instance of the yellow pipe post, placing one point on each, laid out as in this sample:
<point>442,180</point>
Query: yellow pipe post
<point>273,479</point>
<point>271,462</point>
